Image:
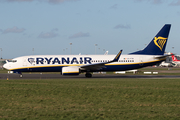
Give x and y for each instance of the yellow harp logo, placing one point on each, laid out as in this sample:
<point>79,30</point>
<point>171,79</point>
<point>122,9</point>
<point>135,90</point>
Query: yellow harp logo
<point>160,41</point>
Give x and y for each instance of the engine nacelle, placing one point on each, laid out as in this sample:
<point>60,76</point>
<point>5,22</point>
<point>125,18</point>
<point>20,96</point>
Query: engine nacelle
<point>72,70</point>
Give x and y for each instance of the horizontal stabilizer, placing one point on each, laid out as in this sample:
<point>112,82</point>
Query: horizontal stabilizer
<point>162,57</point>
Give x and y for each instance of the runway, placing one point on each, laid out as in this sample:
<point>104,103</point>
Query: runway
<point>99,76</point>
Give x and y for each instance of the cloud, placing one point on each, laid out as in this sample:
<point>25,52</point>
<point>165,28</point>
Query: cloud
<point>13,30</point>
<point>120,26</point>
<point>54,30</point>
<point>60,1</point>
<point>50,34</point>
<point>175,3</point>
<point>49,1</point>
<point>155,2</point>
<point>80,34</point>
<point>114,6</point>
<point>17,0</point>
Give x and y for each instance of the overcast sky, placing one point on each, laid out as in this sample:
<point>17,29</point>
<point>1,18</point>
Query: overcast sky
<point>49,26</point>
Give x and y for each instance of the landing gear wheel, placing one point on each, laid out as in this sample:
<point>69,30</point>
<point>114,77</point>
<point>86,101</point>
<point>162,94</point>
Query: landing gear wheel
<point>88,75</point>
<point>20,76</point>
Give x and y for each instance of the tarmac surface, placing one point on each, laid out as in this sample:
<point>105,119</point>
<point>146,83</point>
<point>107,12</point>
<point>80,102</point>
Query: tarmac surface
<point>59,76</point>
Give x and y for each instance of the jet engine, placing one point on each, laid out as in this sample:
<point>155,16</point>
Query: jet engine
<point>72,70</point>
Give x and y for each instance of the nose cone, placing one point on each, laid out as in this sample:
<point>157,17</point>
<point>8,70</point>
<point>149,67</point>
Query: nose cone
<point>6,66</point>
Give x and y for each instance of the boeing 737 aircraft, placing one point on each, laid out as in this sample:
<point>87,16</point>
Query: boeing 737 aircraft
<point>76,64</point>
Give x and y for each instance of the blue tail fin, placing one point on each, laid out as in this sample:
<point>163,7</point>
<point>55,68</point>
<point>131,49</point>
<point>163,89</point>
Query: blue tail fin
<point>158,44</point>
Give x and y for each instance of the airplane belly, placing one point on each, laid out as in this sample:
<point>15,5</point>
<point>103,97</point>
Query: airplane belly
<point>40,69</point>
<point>125,67</point>
<point>120,67</point>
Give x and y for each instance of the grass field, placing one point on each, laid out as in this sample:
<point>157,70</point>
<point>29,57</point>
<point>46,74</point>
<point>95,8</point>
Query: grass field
<point>90,99</point>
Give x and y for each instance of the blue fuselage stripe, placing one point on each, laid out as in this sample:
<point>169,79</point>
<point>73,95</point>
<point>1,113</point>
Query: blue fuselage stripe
<point>106,68</point>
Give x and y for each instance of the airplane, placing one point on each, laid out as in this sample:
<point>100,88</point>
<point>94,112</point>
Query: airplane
<point>106,53</point>
<point>165,64</point>
<point>152,54</point>
<point>175,61</point>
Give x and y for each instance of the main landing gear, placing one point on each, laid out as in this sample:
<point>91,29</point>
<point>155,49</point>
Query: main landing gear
<point>20,74</point>
<point>88,75</point>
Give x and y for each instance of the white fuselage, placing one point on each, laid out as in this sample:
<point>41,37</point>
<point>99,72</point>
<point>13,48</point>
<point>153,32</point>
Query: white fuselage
<point>54,63</point>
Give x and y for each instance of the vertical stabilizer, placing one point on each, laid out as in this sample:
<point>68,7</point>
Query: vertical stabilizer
<point>158,44</point>
<point>174,58</point>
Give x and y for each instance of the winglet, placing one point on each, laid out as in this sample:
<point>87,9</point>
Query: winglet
<point>117,56</point>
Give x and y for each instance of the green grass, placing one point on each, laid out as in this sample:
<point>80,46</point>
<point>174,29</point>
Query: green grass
<point>90,99</point>
<point>3,71</point>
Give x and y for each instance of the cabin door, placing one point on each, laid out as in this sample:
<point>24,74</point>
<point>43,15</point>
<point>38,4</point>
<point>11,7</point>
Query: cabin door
<point>24,63</point>
<point>141,61</point>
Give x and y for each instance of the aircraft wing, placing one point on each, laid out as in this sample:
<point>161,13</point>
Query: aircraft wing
<point>98,66</point>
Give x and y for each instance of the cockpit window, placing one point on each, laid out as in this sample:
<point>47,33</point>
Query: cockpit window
<point>12,61</point>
